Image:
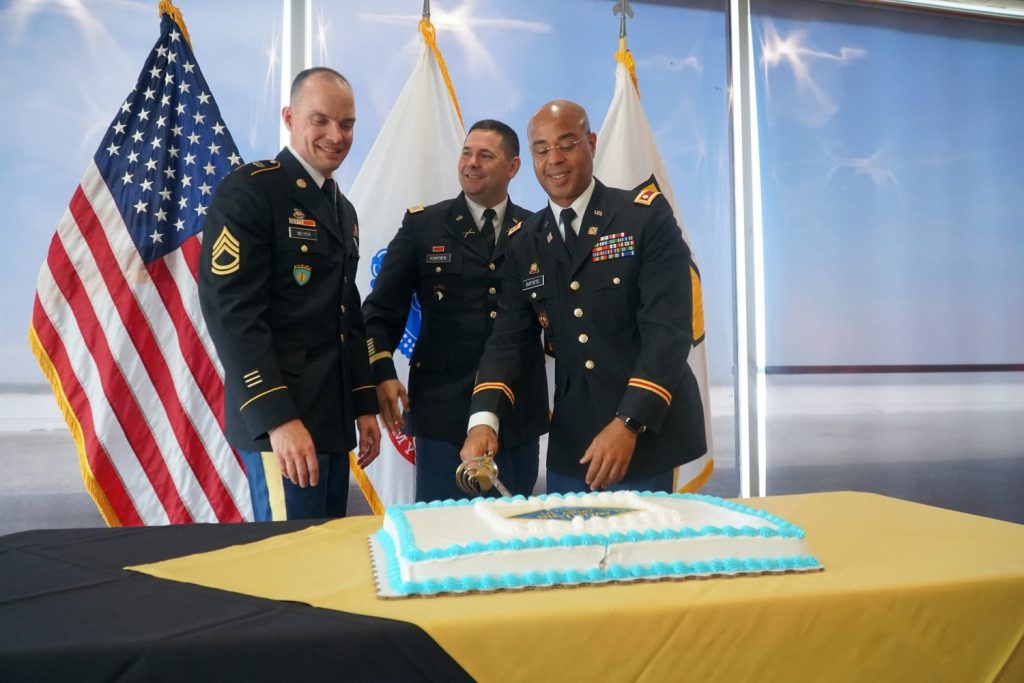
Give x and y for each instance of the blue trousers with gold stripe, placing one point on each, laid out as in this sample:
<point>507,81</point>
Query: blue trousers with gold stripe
<point>274,498</point>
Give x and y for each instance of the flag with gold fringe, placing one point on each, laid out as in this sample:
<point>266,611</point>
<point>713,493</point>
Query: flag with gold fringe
<point>424,130</point>
<point>627,156</point>
<point>116,324</point>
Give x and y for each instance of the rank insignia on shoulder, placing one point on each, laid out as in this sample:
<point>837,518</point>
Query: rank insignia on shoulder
<point>647,195</point>
<point>534,269</point>
<point>416,209</point>
<point>263,166</point>
<point>226,257</point>
<point>515,228</point>
<point>302,273</point>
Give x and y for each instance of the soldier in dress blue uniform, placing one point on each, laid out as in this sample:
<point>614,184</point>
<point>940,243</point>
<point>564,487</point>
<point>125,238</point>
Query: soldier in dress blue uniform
<point>604,274</point>
<point>450,255</point>
<point>277,288</point>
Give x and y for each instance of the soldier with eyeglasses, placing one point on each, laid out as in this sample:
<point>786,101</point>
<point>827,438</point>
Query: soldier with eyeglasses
<point>603,274</point>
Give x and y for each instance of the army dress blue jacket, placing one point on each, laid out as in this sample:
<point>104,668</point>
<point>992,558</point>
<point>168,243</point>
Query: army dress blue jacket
<point>617,315</point>
<point>440,255</point>
<point>277,288</point>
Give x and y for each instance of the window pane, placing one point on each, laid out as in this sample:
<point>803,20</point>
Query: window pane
<point>891,162</point>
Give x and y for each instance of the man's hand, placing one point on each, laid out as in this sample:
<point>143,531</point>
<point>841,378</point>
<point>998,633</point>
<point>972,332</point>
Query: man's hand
<point>389,393</point>
<point>296,454</point>
<point>369,438</point>
<point>609,455</point>
<point>479,440</point>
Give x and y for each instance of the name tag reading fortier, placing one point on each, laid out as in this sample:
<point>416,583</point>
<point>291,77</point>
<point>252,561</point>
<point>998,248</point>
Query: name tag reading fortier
<point>297,233</point>
<point>439,258</point>
<point>533,282</point>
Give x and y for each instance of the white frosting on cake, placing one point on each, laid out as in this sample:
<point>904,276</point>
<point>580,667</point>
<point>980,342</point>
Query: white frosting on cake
<point>484,544</point>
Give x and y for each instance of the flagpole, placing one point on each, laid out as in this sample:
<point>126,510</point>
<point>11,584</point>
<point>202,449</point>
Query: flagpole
<point>624,56</point>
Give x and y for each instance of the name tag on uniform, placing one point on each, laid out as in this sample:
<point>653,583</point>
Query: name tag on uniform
<point>297,233</point>
<point>533,282</point>
<point>439,258</point>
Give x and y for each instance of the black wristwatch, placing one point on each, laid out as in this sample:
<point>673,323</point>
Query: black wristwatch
<point>632,425</point>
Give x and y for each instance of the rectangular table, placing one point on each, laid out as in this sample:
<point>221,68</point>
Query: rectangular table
<point>909,592</point>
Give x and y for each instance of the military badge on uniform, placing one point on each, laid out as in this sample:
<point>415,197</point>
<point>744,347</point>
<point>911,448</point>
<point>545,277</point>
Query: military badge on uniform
<point>416,209</point>
<point>550,237</point>
<point>534,269</point>
<point>301,182</point>
<point>227,254</point>
<point>252,378</point>
<point>592,230</point>
<point>647,195</point>
<point>299,218</point>
<point>598,212</point>
<point>439,292</point>
<point>616,245</point>
<point>301,273</point>
<point>515,228</point>
<point>542,318</point>
<point>437,248</point>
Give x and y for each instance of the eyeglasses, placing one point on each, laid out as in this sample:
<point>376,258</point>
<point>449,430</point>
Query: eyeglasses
<point>563,149</point>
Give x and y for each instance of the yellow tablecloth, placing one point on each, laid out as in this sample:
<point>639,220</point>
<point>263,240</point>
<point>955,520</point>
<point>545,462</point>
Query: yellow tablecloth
<point>909,593</point>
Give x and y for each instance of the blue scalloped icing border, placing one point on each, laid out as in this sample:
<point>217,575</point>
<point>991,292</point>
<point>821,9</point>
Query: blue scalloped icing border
<point>532,579</point>
<point>413,553</point>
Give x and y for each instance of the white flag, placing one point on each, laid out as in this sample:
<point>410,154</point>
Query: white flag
<point>627,156</point>
<point>412,162</point>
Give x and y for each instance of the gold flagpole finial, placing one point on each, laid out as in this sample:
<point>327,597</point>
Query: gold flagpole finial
<point>624,55</point>
<point>167,7</point>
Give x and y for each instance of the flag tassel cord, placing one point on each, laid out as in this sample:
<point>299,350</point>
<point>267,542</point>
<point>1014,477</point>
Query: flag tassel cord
<point>625,57</point>
<point>430,36</point>
<point>167,7</point>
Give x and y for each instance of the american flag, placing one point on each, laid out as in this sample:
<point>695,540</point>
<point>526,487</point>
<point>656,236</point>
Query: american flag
<point>116,324</point>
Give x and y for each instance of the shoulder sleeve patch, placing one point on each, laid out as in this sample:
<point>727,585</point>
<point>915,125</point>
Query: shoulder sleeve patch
<point>515,228</point>
<point>416,209</point>
<point>258,167</point>
<point>647,195</point>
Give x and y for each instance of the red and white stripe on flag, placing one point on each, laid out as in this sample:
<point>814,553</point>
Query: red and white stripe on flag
<point>116,324</point>
<point>627,155</point>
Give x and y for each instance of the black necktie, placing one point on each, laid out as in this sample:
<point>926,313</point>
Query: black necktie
<point>488,229</point>
<point>570,234</point>
<point>331,192</point>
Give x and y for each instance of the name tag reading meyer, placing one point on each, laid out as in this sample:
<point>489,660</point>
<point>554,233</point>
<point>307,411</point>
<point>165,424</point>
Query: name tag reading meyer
<point>297,233</point>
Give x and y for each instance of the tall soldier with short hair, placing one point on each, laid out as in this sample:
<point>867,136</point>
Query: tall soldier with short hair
<point>277,287</point>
